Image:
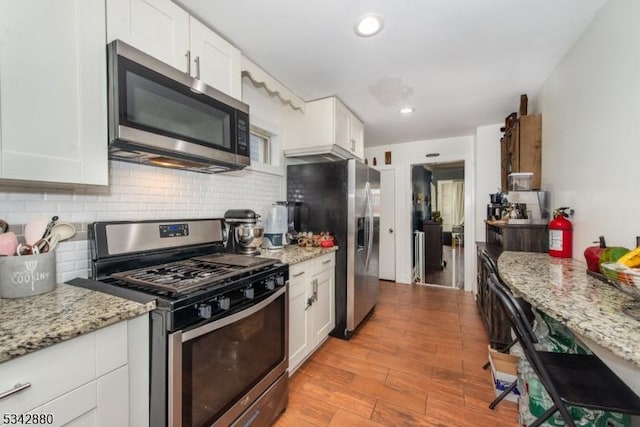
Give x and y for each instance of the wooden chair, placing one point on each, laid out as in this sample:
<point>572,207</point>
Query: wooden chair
<point>570,379</point>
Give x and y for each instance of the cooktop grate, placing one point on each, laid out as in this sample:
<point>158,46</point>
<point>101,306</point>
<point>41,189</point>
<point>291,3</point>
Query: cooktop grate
<point>185,276</point>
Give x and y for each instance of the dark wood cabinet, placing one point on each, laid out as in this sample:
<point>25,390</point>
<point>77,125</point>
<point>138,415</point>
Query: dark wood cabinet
<point>503,237</point>
<point>521,149</point>
<point>432,245</point>
<point>519,237</point>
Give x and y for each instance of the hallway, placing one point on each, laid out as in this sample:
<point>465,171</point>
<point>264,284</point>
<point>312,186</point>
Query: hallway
<point>417,361</point>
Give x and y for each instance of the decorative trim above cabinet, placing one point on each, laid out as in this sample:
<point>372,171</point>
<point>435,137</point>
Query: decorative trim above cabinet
<point>262,79</point>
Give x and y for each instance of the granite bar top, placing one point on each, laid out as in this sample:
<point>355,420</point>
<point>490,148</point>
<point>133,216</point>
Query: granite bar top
<point>293,254</point>
<point>561,288</point>
<point>33,323</point>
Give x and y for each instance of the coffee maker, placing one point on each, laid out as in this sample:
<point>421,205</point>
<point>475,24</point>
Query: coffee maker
<point>498,206</point>
<point>293,220</point>
<point>244,233</point>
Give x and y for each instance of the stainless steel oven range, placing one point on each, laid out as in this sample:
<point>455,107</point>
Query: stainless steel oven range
<point>218,341</point>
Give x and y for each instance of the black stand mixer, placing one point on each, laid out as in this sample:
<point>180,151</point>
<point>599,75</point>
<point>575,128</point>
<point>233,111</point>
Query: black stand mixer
<point>244,233</point>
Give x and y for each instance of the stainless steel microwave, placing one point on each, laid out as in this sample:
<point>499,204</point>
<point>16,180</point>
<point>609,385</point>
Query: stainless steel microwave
<point>161,116</point>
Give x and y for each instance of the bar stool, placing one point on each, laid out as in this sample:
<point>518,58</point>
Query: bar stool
<point>570,379</point>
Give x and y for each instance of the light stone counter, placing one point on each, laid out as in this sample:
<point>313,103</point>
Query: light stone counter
<point>292,254</point>
<point>32,323</point>
<point>561,288</point>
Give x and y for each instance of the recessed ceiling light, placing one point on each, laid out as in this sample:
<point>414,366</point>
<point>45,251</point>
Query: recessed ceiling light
<point>406,110</point>
<point>368,25</point>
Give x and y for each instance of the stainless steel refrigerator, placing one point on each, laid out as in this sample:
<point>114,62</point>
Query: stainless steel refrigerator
<point>342,197</point>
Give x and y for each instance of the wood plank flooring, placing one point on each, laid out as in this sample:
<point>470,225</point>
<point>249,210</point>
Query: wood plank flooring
<point>416,361</point>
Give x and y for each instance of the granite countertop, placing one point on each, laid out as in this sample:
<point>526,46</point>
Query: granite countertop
<point>32,323</point>
<point>561,288</point>
<point>293,254</point>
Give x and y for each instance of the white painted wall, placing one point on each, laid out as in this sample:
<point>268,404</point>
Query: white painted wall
<point>405,155</point>
<point>591,129</point>
<point>487,171</point>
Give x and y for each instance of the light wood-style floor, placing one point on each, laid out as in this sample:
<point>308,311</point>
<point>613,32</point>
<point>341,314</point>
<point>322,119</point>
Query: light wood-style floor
<point>416,361</point>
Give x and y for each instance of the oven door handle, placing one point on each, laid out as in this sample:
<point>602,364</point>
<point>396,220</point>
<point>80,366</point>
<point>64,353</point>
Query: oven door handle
<point>205,329</point>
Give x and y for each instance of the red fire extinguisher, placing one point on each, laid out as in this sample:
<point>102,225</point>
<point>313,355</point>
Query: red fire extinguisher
<point>560,234</point>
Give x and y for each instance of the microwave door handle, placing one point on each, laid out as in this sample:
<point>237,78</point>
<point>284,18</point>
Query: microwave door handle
<point>197,61</point>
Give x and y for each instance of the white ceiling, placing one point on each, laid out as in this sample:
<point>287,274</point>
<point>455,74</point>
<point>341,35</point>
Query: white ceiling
<point>459,63</point>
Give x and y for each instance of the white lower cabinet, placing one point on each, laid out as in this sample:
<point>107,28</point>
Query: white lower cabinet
<point>85,381</point>
<point>311,306</point>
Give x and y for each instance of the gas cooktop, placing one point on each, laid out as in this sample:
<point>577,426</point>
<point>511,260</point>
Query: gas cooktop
<point>181,277</point>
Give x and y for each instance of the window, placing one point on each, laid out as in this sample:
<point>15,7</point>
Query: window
<point>260,146</point>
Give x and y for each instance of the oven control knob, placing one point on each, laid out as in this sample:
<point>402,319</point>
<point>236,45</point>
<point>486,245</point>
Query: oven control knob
<point>224,303</point>
<point>248,293</point>
<point>270,283</point>
<point>204,311</point>
<point>280,280</point>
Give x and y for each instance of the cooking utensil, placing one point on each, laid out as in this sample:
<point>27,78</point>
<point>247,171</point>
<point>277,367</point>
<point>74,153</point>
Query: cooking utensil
<point>53,241</point>
<point>34,230</point>
<point>8,243</point>
<point>64,230</point>
<point>49,226</point>
<point>27,249</point>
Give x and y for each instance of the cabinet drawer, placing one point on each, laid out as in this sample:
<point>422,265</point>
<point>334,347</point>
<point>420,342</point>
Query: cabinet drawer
<point>51,372</point>
<point>298,270</point>
<point>326,262</point>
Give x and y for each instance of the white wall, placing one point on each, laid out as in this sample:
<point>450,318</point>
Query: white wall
<point>487,156</point>
<point>591,129</point>
<point>403,156</point>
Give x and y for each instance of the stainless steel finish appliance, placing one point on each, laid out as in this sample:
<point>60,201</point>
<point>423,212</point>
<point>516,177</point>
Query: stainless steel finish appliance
<point>219,334</point>
<point>537,204</point>
<point>245,235</point>
<point>342,197</point>
<point>161,116</point>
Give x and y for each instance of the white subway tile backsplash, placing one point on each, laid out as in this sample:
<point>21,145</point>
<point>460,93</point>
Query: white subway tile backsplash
<point>138,192</point>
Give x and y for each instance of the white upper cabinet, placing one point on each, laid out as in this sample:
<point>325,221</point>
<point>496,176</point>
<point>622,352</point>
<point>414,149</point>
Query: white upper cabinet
<point>167,32</point>
<point>326,124</point>
<point>215,61</point>
<point>157,27</point>
<point>53,97</point>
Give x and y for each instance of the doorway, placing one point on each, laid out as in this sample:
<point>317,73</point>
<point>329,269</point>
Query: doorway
<point>438,223</point>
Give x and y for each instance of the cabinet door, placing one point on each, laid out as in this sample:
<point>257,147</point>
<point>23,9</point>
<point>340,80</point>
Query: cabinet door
<point>53,98</point>
<point>76,408</point>
<point>299,345</point>
<point>323,311</point>
<point>157,27</point>
<point>215,61</point>
<point>342,123</point>
<point>113,398</point>
<point>356,136</point>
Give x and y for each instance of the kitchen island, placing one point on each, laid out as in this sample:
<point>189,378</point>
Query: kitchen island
<point>592,309</point>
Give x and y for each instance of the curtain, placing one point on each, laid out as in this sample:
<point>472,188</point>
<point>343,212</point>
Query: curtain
<point>457,194</point>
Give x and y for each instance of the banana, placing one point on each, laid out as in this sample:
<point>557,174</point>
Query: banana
<point>631,258</point>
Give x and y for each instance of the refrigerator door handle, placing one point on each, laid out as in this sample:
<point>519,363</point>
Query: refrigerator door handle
<point>370,228</point>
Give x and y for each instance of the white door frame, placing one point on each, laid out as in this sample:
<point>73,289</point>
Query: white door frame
<point>387,222</point>
<point>404,203</point>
